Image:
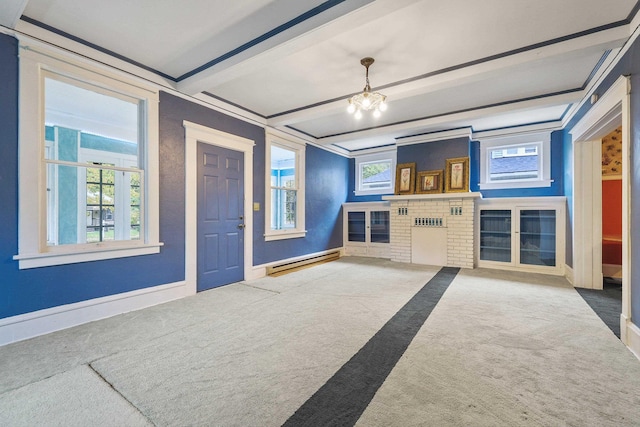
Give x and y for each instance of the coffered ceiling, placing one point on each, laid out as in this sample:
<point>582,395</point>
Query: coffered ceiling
<point>292,64</point>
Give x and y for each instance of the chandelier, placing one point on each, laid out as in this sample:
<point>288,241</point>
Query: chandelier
<point>367,100</point>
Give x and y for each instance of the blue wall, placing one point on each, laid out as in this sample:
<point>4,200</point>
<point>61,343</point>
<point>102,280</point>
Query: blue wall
<point>326,183</point>
<point>23,291</point>
<point>557,173</point>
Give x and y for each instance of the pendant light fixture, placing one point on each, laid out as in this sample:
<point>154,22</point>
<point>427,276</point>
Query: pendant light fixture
<point>367,100</point>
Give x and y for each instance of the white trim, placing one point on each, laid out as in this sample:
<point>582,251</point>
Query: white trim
<point>568,273</point>
<point>195,133</point>
<point>518,131</point>
<point>32,201</point>
<point>299,147</point>
<point>611,109</point>
<point>630,334</point>
<point>504,140</point>
<point>378,156</point>
<point>434,137</point>
<point>29,325</point>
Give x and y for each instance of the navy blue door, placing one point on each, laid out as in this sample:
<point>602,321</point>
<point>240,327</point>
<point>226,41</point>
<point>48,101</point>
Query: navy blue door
<point>220,216</point>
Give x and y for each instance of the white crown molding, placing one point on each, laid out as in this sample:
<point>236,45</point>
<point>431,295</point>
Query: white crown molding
<point>518,131</point>
<point>434,136</point>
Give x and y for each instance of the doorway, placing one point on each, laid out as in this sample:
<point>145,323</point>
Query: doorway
<point>194,135</point>
<point>609,112</point>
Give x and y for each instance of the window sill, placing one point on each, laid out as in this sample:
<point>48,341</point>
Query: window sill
<point>293,234</point>
<point>515,184</point>
<point>384,192</point>
<point>47,259</point>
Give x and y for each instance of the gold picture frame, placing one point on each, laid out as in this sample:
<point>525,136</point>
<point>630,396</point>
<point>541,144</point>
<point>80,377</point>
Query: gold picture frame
<point>457,175</point>
<point>429,182</point>
<point>405,178</point>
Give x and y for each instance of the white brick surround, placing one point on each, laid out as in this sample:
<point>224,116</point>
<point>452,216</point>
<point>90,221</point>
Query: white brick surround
<point>454,212</point>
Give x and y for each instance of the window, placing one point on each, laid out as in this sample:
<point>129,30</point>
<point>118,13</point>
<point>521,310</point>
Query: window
<point>375,173</point>
<point>285,189</point>
<point>95,139</point>
<point>520,161</point>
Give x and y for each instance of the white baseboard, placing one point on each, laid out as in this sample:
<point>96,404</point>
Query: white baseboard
<point>568,273</point>
<point>630,335</point>
<point>29,325</point>
<point>612,270</point>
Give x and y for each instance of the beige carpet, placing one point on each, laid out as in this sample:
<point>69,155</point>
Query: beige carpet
<point>499,349</point>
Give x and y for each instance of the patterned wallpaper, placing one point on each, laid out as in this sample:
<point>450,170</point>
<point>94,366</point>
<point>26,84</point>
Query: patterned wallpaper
<point>612,153</point>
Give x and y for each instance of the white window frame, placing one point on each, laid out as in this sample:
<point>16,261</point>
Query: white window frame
<point>363,159</point>
<point>35,61</point>
<point>542,140</point>
<point>299,148</point>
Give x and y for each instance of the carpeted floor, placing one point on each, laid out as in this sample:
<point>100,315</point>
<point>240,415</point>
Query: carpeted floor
<point>426,346</point>
<point>607,303</point>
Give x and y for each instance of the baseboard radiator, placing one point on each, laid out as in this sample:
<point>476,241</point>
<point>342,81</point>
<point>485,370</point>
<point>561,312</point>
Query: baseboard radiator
<point>279,268</point>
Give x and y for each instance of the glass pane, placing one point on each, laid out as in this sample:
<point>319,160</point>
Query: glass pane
<point>514,163</point>
<point>283,209</point>
<point>83,116</point>
<point>538,237</point>
<point>495,235</point>
<point>356,226</point>
<point>283,167</point>
<point>375,175</point>
<point>380,227</point>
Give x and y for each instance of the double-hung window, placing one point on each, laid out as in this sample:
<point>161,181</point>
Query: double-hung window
<point>285,188</point>
<point>375,173</point>
<point>520,161</point>
<point>88,164</point>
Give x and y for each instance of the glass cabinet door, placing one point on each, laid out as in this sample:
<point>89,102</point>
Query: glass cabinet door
<point>495,235</point>
<point>379,226</point>
<point>538,237</point>
<point>356,223</point>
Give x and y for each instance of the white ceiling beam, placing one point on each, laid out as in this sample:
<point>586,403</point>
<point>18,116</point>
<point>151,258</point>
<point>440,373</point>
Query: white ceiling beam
<point>467,116</point>
<point>341,18</point>
<point>11,11</point>
<point>603,40</point>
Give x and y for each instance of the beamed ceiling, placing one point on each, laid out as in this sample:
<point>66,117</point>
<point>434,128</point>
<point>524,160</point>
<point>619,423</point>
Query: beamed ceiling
<point>291,64</point>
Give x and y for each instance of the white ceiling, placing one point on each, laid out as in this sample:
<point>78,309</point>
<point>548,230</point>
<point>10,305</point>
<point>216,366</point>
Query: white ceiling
<point>293,63</point>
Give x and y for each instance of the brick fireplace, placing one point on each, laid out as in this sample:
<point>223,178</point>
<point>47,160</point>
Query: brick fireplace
<point>434,229</point>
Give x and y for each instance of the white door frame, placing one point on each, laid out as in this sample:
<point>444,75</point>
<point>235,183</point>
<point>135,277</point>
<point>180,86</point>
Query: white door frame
<point>195,133</point>
<point>609,111</point>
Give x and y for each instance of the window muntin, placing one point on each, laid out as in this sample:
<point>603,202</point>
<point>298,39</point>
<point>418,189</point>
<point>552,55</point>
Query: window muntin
<point>375,173</point>
<point>44,73</point>
<point>91,176</point>
<point>285,189</point>
<point>521,161</point>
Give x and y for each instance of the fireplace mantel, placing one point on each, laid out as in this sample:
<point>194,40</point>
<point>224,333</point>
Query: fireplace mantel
<point>416,197</point>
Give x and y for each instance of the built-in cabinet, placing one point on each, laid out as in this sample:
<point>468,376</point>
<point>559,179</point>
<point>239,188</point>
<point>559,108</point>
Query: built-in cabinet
<point>366,229</point>
<point>522,233</point>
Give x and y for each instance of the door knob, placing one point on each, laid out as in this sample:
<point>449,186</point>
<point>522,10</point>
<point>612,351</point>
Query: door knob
<point>241,226</point>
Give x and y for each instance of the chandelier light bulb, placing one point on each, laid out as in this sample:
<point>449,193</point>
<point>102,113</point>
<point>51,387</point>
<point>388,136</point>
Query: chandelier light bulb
<point>367,100</point>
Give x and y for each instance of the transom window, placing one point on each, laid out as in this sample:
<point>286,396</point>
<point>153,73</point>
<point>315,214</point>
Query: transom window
<point>285,189</point>
<point>375,173</point>
<point>515,162</point>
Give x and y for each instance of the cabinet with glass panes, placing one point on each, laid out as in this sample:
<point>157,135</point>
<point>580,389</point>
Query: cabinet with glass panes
<point>366,229</point>
<point>522,233</point>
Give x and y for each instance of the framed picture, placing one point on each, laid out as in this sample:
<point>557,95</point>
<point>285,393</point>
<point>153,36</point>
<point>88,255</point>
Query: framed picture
<point>405,178</point>
<point>457,175</point>
<point>429,182</point>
